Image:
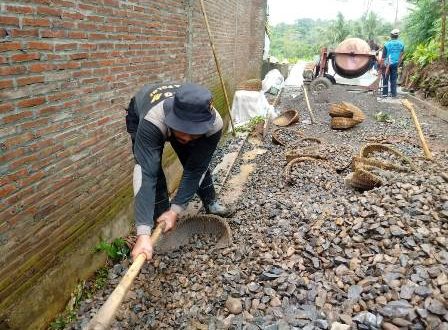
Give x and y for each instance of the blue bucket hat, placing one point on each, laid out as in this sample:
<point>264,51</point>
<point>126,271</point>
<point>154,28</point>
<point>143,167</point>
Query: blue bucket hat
<point>190,110</point>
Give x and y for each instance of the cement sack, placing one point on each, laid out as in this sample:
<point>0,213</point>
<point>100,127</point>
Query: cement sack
<point>247,105</point>
<point>272,79</point>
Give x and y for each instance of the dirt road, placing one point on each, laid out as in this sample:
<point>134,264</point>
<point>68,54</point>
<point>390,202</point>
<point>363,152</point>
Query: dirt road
<point>315,253</point>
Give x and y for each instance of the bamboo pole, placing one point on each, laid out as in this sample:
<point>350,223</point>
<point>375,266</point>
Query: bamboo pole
<point>426,150</point>
<point>106,314</point>
<point>313,120</point>
<point>218,67</point>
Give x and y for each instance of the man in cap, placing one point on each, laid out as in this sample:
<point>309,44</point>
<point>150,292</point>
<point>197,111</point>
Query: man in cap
<point>184,116</point>
<point>392,58</point>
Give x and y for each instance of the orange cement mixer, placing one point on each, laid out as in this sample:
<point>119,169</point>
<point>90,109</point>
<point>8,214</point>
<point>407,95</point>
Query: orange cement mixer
<point>350,59</point>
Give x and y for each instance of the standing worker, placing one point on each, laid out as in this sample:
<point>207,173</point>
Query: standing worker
<point>393,51</point>
<point>184,116</point>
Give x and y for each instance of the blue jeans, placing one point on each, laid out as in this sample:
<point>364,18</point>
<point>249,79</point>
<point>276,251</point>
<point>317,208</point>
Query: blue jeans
<point>393,76</point>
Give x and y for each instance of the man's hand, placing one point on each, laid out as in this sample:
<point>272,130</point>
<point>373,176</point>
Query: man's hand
<point>169,217</point>
<point>143,245</point>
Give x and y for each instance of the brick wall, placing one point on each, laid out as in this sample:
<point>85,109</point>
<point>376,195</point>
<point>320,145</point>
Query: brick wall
<point>67,71</point>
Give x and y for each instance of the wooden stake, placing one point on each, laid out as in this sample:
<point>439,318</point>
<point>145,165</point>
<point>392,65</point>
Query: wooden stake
<point>105,316</point>
<point>217,65</point>
<point>268,115</point>
<point>313,120</point>
<point>426,150</point>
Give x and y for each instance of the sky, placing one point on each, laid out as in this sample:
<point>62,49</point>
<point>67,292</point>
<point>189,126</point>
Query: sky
<point>288,11</point>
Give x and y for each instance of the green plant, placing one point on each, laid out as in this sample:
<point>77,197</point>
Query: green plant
<point>100,280</point>
<point>83,291</point>
<point>383,117</point>
<point>69,314</point>
<point>427,53</point>
<point>116,251</point>
<point>250,125</point>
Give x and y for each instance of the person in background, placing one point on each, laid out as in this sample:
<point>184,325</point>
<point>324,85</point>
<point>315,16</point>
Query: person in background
<point>374,48</point>
<point>184,116</point>
<point>392,58</point>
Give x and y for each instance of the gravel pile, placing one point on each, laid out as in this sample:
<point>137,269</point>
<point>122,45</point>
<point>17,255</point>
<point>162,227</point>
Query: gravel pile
<point>314,253</point>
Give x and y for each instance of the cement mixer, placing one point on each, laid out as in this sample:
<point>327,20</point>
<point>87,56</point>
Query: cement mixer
<point>350,59</point>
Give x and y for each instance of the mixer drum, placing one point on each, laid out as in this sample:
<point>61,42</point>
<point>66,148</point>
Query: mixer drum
<point>357,62</point>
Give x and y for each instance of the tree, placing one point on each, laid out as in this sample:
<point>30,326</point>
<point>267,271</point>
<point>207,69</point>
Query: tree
<point>443,32</point>
<point>341,28</point>
<point>422,24</point>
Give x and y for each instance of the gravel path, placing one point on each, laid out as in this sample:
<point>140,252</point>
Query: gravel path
<point>314,253</point>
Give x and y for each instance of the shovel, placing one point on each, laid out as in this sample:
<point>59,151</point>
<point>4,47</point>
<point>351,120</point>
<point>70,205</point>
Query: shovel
<point>181,235</point>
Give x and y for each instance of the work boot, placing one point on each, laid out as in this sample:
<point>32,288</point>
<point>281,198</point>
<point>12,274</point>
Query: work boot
<point>218,209</point>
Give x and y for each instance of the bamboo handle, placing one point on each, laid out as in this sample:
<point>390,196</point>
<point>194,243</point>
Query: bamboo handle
<point>313,120</point>
<point>410,107</point>
<point>105,315</point>
<point>218,67</point>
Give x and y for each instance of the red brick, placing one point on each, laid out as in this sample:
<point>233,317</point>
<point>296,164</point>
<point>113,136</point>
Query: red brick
<point>6,107</point>
<point>97,36</point>
<point>36,22</point>
<point>6,46</point>
<point>88,26</point>
<point>40,67</point>
<point>9,20</point>
<point>19,9</point>
<point>61,24</point>
<point>18,140</point>
<point>30,80</point>
<point>79,56</point>
<point>65,46</point>
<point>25,57</point>
<point>7,190</point>
<point>50,129</point>
<point>82,73</point>
<point>6,83</point>
<point>16,33</point>
<point>25,182</point>
<point>40,45</point>
<point>53,34</point>
<point>60,96</point>
<point>12,70</point>
<point>77,35</point>
<point>57,57</point>
<point>31,102</point>
<point>72,15</point>
<point>35,123</point>
<point>17,116</point>
<point>49,11</point>
<point>18,163</point>
<point>88,46</point>
<point>15,175</point>
<point>68,65</point>
<point>48,110</point>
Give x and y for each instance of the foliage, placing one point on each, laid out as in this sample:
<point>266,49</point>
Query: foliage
<point>305,38</point>
<point>81,293</point>
<point>422,24</point>
<point>425,54</point>
<point>116,251</point>
<point>69,315</point>
<point>250,125</point>
<point>383,117</point>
